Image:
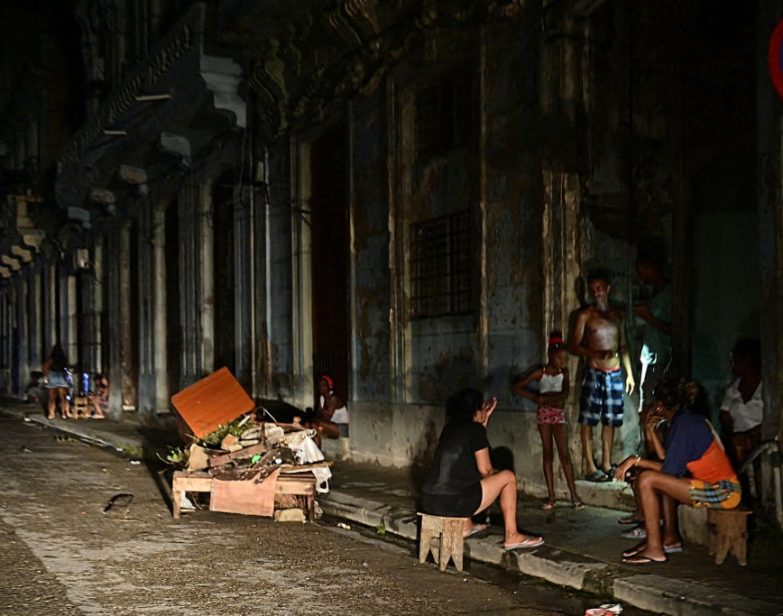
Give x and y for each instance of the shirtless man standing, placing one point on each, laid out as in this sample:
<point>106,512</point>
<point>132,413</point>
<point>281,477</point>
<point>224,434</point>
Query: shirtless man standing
<point>599,335</point>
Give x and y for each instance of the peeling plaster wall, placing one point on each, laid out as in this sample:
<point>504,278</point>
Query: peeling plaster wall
<point>513,203</point>
<point>370,250</point>
<point>280,283</point>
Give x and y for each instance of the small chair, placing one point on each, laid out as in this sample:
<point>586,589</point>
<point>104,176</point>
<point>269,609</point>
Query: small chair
<point>444,535</point>
<point>728,531</point>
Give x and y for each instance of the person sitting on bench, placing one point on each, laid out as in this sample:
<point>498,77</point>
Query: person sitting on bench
<point>461,481</point>
<point>693,448</point>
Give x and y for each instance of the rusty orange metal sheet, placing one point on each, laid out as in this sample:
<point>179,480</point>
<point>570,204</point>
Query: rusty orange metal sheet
<point>213,401</point>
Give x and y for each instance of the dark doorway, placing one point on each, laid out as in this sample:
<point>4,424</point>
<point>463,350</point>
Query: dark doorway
<point>173,319</point>
<point>329,244</point>
<point>223,255</point>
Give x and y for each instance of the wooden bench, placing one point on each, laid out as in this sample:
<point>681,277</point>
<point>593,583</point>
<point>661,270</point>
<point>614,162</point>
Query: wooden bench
<point>728,532</point>
<point>444,535</point>
<point>298,484</point>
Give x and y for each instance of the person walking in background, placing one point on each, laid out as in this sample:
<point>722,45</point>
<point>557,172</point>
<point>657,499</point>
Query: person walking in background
<point>54,370</point>
<point>553,388</point>
<point>599,335</point>
<point>461,481</point>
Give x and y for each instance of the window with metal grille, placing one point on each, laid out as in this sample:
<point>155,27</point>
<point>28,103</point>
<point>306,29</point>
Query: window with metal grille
<point>441,266</point>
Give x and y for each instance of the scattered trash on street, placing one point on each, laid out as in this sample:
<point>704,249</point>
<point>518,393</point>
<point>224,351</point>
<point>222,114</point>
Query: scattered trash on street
<point>607,609</point>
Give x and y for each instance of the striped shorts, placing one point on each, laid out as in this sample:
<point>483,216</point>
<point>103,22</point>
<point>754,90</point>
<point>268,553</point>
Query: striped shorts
<point>725,494</point>
<point>602,398</point>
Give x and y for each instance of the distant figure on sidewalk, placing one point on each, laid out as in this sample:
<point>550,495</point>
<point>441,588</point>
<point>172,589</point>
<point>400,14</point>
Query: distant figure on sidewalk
<point>330,418</point>
<point>695,471</point>
<point>461,481</point>
<point>599,335</point>
<point>54,369</point>
<point>553,387</point>
<point>100,399</point>
<point>35,391</point>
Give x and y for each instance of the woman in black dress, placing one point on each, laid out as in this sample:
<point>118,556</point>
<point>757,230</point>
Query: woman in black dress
<point>461,481</point>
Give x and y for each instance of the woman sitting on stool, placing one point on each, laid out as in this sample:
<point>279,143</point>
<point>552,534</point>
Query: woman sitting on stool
<point>461,481</point>
<point>695,471</point>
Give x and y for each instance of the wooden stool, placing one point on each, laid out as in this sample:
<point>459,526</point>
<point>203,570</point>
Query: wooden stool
<point>81,407</point>
<point>445,535</point>
<point>728,531</point>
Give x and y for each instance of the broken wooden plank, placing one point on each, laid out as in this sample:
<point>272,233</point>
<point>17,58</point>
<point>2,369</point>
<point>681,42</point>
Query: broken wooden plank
<point>247,452</point>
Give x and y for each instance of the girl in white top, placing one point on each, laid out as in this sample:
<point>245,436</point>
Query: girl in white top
<point>553,386</point>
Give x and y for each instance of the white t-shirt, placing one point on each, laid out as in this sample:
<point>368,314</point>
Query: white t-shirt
<point>744,415</point>
<point>340,416</point>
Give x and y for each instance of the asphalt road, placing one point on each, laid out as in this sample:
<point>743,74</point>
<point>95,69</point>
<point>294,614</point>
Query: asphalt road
<point>60,553</point>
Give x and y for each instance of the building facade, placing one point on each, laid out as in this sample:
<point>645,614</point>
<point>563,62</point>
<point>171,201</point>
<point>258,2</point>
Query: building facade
<point>406,195</point>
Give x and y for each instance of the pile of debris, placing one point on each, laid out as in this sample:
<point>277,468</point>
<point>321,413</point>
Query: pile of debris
<point>256,451</point>
<point>242,460</point>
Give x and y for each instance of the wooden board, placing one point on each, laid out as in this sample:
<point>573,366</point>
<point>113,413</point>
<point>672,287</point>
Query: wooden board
<point>211,402</point>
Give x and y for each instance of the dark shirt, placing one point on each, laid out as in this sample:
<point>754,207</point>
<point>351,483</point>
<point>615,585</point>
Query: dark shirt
<point>688,439</point>
<point>454,467</point>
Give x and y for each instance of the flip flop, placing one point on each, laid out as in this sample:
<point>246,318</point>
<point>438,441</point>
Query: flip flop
<point>548,506</point>
<point>635,533</point>
<point>642,560</point>
<point>530,542</point>
<point>630,519</point>
<point>597,477</point>
<point>477,528</point>
<point>675,548</point>
<point>630,553</point>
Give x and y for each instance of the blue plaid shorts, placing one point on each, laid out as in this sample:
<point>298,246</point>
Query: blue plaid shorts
<point>602,398</point>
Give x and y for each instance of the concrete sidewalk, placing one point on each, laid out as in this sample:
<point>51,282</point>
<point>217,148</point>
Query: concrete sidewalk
<point>582,549</point>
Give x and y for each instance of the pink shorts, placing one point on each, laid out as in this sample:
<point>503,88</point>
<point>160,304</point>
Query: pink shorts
<point>551,415</point>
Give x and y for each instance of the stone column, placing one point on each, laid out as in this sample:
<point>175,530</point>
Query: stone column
<point>122,391</point>
<point>22,360</point>
<point>97,302</point>
<point>35,348</point>
<point>243,296</point>
<point>206,267</point>
<point>145,333</point>
<point>159,350</point>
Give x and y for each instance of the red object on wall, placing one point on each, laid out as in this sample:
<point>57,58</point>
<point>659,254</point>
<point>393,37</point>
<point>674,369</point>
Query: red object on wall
<point>213,401</point>
<point>775,58</point>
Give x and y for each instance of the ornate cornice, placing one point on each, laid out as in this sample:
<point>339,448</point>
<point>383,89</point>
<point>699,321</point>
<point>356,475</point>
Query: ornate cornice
<point>323,56</point>
<point>186,36</point>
